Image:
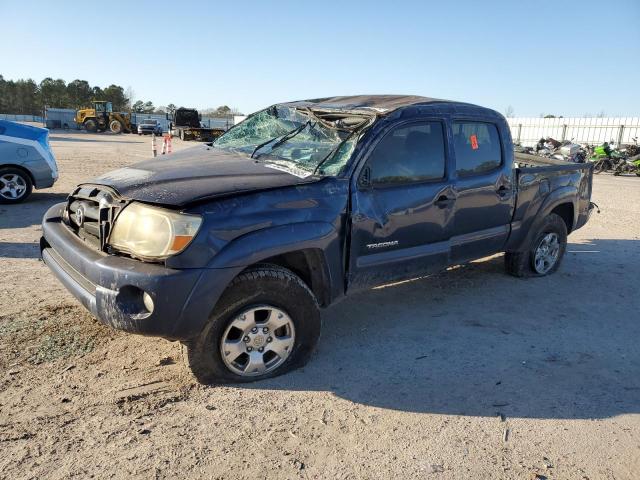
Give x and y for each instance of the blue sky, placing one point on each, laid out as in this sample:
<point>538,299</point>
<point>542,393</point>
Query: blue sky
<point>561,57</point>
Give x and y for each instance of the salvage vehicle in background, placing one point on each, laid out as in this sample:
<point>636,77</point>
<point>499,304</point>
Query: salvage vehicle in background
<point>185,124</point>
<point>233,248</point>
<point>149,126</point>
<point>26,161</point>
<point>100,117</point>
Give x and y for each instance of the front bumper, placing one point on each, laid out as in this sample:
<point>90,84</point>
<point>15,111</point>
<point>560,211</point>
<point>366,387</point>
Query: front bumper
<point>183,299</point>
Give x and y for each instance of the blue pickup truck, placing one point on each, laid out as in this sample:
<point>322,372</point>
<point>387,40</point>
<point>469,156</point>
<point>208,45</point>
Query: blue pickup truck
<point>233,247</point>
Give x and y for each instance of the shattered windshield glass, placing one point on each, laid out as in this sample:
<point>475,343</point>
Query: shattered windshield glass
<point>292,139</point>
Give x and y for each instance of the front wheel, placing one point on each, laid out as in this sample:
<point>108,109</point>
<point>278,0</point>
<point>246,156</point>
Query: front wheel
<point>600,166</point>
<point>115,126</point>
<point>545,251</point>
<point>91,126</point>
<point>265,324</point>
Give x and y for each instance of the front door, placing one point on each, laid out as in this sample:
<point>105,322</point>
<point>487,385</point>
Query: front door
<point>484,204</point>
<point>402,210</point>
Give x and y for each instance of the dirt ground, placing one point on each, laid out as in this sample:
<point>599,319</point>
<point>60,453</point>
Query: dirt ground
<point>469,374</point>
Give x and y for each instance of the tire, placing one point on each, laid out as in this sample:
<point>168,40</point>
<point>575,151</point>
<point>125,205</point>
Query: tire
<point>115,126</point>
<point>15,185</point>
<point>255,291</point>
<point>523,264</point>
<point>91,126</point>
<point>599,167</point>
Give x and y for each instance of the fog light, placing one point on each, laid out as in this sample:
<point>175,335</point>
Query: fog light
<point>148,302</point>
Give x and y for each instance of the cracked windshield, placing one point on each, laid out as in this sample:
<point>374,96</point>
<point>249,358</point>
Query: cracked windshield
<point>293,140</point>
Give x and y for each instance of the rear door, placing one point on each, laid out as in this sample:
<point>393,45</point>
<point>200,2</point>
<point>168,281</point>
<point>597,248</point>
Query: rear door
<point>402,208</point>
<point>483,182</point>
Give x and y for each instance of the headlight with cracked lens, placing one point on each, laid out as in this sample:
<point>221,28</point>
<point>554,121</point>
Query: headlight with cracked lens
<point>151,232</point>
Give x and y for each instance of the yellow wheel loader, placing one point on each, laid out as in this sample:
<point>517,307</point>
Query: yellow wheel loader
<point>101,118</point>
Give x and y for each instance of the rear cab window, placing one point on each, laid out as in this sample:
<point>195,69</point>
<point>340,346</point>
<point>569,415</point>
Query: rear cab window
<point>477,148</point>
<point>409,153</point>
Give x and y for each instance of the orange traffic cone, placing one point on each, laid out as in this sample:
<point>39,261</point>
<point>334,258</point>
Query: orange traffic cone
<point>166,143</point>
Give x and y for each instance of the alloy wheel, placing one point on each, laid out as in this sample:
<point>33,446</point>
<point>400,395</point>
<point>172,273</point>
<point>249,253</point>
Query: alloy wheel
<point>12,186</point>
<point>546,253</point>
<point>257,341</point>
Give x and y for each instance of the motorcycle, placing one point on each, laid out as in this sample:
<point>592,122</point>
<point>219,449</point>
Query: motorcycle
<point>628,166</point>
<point>606,159</point>
<point>632,151</point>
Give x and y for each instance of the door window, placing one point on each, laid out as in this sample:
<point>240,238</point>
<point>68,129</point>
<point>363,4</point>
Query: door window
<point>477,148</point>
<point>409,153</point>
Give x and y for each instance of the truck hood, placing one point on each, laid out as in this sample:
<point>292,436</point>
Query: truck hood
<point>196,174</point>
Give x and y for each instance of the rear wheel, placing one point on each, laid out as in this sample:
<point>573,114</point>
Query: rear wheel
<point>15,185</point>
<point>115,126</point>
<point>91,126</point>
<point>265,324</point>
<point>545,252</point>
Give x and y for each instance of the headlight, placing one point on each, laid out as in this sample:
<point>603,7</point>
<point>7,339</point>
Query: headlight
<point>151,232</point>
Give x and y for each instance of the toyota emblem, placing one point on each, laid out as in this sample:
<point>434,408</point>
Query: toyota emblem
<point>79,216</point>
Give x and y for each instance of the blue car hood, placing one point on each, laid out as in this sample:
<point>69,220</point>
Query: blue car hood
<point>197,174</point>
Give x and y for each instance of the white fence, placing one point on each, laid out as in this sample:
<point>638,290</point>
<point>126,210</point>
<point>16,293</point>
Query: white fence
<point>590,130</point>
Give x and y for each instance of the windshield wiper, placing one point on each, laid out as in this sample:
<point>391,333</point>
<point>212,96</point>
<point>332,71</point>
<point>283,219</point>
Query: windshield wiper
<point>283,138</point>
<point>330,154</point>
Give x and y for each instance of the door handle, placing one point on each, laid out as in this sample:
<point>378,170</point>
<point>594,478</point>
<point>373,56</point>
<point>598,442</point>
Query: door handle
<point>443,201</point>
<point>503,191</point>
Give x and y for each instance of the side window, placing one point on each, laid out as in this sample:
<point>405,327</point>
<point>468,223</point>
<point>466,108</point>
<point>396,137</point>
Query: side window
<point>477,148</point>
<point>409,153</point>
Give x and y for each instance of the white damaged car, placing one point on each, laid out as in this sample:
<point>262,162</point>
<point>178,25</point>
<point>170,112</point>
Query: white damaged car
<point>26,161</point>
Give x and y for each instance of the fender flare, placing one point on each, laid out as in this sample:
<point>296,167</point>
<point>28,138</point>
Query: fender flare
<point>558,197</point>
<point>258,245</point>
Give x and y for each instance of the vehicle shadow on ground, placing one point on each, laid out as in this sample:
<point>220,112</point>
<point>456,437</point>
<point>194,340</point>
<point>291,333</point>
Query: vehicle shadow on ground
<point>474,341</point>
<point>31,211</point>
<point>19,250</point>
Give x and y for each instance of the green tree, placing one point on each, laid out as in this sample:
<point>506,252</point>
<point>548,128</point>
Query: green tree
<point>115,94</point>
<point>223,111</point>
<point>7,96</point>
<point>3,95</point>
<point>79,93</point>
<point>148,107</point>
<point>138,107</point>
<point>53,93</point>
<point>97,94</point>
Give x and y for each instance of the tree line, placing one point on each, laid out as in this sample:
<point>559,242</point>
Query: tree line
<point>26,97</point>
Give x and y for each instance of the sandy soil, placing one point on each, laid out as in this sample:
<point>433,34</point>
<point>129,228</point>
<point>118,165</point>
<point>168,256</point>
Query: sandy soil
<point>466,374</point>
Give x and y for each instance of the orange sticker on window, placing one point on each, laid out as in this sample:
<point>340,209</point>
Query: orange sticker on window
<point>474,142</point>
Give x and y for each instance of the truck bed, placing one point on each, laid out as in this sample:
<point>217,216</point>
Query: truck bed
<point>524,161</point>
<point>542,181</point>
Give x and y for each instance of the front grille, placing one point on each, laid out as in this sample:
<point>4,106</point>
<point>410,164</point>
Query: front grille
<point>90,213</point>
